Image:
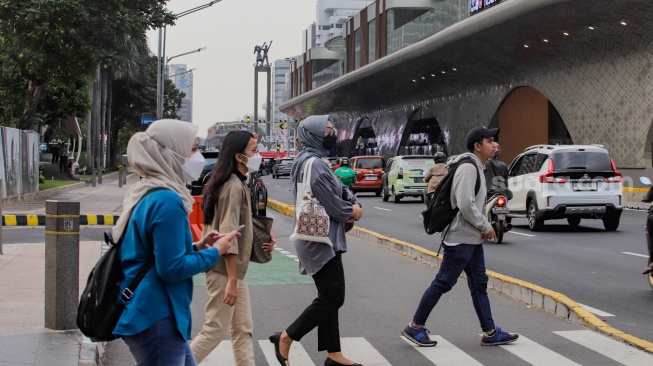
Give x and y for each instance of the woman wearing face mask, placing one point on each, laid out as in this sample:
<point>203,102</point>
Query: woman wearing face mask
<point>321,261</point>
<point>226,206</point>
<point>157,225</point>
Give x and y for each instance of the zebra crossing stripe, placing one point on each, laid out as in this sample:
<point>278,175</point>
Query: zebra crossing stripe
<point>445,353</point>
<point>358,349</point>
<point>536,354</point>
<point>298,355</point>
<point>610,348</point>
<point>222,355</point>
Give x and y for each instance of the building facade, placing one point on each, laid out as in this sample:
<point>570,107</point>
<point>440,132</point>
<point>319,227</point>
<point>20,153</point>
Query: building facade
<point>183,80</point>
<point>420,73</point>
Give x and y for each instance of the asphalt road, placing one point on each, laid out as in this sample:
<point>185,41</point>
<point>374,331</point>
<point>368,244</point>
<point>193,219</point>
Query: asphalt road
<point>587,264</point>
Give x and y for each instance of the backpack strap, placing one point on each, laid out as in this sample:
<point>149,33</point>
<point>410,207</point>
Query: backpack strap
<point>128,292</point>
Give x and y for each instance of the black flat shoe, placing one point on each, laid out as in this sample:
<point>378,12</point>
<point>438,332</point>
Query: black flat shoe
<point>330,362</point>
<point>276,339</point>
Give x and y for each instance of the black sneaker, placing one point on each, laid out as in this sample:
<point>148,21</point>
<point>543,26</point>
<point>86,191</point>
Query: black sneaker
<point>419,336</point>
<point>499,337</point>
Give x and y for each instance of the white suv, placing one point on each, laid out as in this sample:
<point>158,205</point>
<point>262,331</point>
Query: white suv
<point>565,181</point>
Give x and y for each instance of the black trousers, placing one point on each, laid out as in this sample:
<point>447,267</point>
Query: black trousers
<point>323,311</point>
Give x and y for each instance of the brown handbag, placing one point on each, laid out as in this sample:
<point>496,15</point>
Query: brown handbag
<point>262,226</point>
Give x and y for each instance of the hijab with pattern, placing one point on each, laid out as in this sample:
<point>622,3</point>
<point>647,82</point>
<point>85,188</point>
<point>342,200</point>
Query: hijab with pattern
<point>152,155</point>
<point>310,133</point>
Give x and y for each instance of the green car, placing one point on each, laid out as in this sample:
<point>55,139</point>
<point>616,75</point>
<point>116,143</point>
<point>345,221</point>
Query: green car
<point>404,176</point>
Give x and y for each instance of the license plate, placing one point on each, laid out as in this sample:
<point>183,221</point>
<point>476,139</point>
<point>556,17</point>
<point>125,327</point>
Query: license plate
<point>419,180</point>
<point>499,210</point>
<point>501,217</point>
<point>585,186</point>
<point>370,177</point>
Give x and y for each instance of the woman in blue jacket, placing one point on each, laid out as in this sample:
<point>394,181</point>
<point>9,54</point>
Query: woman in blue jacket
<point>156,322</point>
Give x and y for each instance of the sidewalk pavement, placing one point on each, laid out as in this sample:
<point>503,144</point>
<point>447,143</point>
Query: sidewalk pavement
<point>23,338</point>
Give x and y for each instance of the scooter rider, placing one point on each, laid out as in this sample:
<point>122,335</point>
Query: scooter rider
<point>648,197</point>
<point>496,179</point>
<point>345,173</point>
<point>435,175</point>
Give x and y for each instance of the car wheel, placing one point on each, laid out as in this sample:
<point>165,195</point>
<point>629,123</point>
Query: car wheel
<point>378,193</point>
<point>384,193</point>
<point>573,221</point>
<point>534,223</point>
<point>611,222</point>
<point>395,197</point>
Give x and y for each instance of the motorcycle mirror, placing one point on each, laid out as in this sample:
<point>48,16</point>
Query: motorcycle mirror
<point>645,181</point>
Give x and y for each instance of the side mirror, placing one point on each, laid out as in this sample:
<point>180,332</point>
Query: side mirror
<point>645,181</point>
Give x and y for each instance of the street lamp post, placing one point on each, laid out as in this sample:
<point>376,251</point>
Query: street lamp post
<point>161,56</point>
<point>162,89</point>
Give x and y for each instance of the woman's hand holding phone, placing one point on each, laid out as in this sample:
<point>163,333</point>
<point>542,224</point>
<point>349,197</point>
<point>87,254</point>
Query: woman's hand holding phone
<point>225,241</point>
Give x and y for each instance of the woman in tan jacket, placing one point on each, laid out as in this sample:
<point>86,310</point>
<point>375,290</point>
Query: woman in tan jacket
<point>226,206</point>
<point>435,175</point>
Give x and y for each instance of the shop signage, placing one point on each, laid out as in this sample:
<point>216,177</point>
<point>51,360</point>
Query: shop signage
<point>478,5</point>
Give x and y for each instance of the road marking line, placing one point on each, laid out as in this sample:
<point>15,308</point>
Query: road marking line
<point>298,355</point>
<point>518,233</point>
<point>635,254</point>
<point>291,256</point>
<point>284,252</point>
<point>536,354</point>
<point>360,350</point>
<point>222,355</point>
<point>384,209</point>
<point>610,348</point>
<point>445,353</point>
<point>595,311</point>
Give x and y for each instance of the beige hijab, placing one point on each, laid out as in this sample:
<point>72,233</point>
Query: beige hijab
<point>149,153</point>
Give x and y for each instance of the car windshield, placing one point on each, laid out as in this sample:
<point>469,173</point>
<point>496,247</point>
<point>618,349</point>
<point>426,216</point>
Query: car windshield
<point>581,160</point>
<point>210,163</point>
<point>287,161</point>
<point>369,163</point>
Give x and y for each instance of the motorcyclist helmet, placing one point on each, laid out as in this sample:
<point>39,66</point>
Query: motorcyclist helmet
<point>344,162</point>
<point>497,150</point>
<point>440,157</point>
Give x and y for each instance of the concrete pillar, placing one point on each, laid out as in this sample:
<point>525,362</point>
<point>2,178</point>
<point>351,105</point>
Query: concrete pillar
<point>61,264</point>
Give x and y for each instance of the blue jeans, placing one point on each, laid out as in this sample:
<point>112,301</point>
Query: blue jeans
<point>459,258</point>
<point>161,344</point>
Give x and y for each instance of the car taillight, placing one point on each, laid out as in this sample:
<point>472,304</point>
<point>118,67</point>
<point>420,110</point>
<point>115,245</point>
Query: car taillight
<point>617,176</point>
<point>400,171</point>
<point>548,176</point>
<point>501,202</point>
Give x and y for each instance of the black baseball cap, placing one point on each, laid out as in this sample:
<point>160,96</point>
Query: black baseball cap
<point>477,134</point>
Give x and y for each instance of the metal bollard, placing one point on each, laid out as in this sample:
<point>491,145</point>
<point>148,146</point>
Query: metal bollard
<point>124,176</point>
<point>61,264</point>
<point>93,178</point>
<point>1,216</point>
<point>99,175</point>
<point>120,178</point>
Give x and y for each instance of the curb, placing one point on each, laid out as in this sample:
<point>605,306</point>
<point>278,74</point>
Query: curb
<point>536,296</point>
<point>39,220</point>
<point>90,352</point>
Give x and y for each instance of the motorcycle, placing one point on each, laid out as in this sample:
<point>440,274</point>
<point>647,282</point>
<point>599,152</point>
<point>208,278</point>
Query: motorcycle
<point>648,197</point>
<point>496,215</point>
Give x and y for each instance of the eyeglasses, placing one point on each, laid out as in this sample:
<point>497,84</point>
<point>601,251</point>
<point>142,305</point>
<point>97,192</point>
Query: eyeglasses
<point>332,132</point>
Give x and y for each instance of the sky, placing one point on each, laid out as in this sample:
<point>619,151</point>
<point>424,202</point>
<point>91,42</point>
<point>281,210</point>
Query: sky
<point>223,79</point>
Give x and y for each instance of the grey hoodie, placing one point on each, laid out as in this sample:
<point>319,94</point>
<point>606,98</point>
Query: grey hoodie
<point>470,222</point>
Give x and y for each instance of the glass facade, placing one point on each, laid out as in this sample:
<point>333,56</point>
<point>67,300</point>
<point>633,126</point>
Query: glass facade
<point>328,74</point>
<point>372,40</point>
<point>357,48</point>
<point>407,26</point>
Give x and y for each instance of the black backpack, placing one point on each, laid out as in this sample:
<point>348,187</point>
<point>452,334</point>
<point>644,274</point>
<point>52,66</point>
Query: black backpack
<point>99,306</point>
<point>439,213</point>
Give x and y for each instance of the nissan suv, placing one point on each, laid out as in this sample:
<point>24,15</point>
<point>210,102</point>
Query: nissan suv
<point>570,182</point>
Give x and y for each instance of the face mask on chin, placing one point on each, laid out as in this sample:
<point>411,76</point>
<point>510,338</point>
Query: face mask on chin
<point>253,162</point>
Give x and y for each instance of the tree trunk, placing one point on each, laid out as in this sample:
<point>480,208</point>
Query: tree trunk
<point>111,147</point>
<point>32,97</point>
<point>103,117</point>
<point>97,97</point>
<point>89,129</point>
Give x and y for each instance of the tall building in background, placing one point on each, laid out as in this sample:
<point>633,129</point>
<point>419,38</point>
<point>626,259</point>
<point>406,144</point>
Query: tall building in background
<point>281,88</point>
<point>331,16</point>
<point>183,79</point>
<point>309,37</point>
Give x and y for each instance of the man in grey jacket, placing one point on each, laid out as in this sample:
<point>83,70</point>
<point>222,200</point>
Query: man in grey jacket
<point>463,245</point>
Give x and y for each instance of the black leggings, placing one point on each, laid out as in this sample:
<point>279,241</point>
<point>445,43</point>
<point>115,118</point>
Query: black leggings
<point>323,311</point>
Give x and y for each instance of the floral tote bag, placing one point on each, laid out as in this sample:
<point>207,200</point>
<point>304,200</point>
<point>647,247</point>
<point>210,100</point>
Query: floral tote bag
<point>312,221</point>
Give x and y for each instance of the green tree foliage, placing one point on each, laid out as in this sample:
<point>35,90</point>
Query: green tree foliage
<point>47,47</point>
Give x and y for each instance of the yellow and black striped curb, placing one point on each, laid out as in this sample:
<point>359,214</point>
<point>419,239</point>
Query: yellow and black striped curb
<point>39,220</point>
<point>535,296</point>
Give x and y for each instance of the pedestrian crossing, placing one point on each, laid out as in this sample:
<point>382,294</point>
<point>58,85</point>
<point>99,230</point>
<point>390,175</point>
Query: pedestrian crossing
<point>447,354</point>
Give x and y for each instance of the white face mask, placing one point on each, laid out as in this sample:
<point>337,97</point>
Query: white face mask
<point>253,162</point>
<point>192,167</point>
